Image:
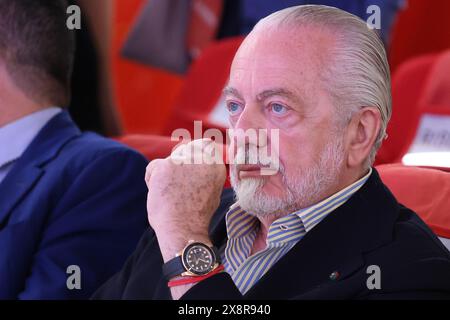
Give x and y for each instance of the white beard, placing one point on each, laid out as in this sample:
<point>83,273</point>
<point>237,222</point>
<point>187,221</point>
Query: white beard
<point>305,188</point>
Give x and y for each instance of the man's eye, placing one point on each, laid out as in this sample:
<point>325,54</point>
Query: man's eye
<point>233,108</point>
<point>278,109</point>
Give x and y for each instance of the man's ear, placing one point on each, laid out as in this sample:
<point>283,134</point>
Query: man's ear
<point>361,135</point>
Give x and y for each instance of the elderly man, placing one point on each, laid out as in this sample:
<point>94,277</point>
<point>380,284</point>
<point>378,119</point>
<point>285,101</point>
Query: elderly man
<point>324,226</point>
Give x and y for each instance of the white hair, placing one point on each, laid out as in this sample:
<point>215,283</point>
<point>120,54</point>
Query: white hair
<point>357,74</point>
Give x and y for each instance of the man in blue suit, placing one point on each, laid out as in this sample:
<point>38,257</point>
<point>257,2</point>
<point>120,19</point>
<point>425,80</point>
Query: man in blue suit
<point>72,204</point>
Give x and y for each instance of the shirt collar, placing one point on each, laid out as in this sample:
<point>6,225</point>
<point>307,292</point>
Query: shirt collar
<point>17,135</point>
<point>312,215</point>
<point>241,224</point>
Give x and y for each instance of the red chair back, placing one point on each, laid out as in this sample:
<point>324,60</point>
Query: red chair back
<point>407,85</point>
<point>420,87</point>
<point>424,190</point>
<point>422,28</point>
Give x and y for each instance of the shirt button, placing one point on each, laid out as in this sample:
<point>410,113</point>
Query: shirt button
<point>284,227</point>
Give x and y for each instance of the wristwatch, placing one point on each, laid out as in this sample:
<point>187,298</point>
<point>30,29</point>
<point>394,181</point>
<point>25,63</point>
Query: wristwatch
<point>196,259</point>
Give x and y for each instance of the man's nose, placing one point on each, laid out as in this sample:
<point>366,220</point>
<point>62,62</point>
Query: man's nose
<point>249,118</point>
<point>250,123</point>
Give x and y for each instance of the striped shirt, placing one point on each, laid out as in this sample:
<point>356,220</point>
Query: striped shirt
<point>283,234</point>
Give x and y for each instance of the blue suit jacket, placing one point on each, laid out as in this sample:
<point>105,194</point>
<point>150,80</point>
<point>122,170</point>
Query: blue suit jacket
<point>72,199</point>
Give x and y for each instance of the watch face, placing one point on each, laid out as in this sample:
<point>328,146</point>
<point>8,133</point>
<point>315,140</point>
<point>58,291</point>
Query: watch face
<point>198,258</point>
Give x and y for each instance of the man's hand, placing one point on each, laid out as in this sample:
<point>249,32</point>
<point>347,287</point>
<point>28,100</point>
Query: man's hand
<point>183,196</point>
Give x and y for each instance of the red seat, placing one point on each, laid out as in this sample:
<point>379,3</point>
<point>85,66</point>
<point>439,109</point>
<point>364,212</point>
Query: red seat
<point>144,94</point>
<point>203,86</point>
<point>436,90</point>
<point>422,28</point>
<point>407,85</point>
<point>424,190</point>
<point>419,86</point>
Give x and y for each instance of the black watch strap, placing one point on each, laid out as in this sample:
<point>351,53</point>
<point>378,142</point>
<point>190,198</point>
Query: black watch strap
<point>175,267</point>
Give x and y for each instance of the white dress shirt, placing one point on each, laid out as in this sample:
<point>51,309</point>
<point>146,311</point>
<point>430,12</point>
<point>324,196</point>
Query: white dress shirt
<point>15,137</point>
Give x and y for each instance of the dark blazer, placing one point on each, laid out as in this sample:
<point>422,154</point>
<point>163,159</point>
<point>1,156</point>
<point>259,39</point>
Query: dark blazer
<point>371,228</point>
<point>71,199</point>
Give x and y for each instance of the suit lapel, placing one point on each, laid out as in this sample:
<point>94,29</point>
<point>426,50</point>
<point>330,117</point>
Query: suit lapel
<point>30,167</point>
<point>217,227</point>
<point>15,188</point>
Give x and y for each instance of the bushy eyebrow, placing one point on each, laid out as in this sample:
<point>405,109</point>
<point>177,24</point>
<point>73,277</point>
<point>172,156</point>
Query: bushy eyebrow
<point>265,94</point>
<point>276,92</point>
<point>232,92</point>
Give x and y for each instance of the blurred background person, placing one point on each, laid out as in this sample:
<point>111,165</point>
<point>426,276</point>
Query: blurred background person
<point>92,105</point>
<point>67,198</point>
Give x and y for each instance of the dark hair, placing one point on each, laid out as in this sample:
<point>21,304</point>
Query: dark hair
<point>37,48</point>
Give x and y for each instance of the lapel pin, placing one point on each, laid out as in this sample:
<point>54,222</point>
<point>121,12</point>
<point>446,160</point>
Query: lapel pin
<point>334,275</point>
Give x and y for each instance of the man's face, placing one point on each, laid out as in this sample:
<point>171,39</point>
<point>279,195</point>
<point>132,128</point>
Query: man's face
<point>274,84</point>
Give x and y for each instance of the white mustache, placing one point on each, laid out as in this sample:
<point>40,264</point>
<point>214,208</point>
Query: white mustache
<point>256,156</point>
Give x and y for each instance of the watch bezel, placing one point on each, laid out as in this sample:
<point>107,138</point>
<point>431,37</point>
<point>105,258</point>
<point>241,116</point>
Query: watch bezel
<point>194,272</point>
